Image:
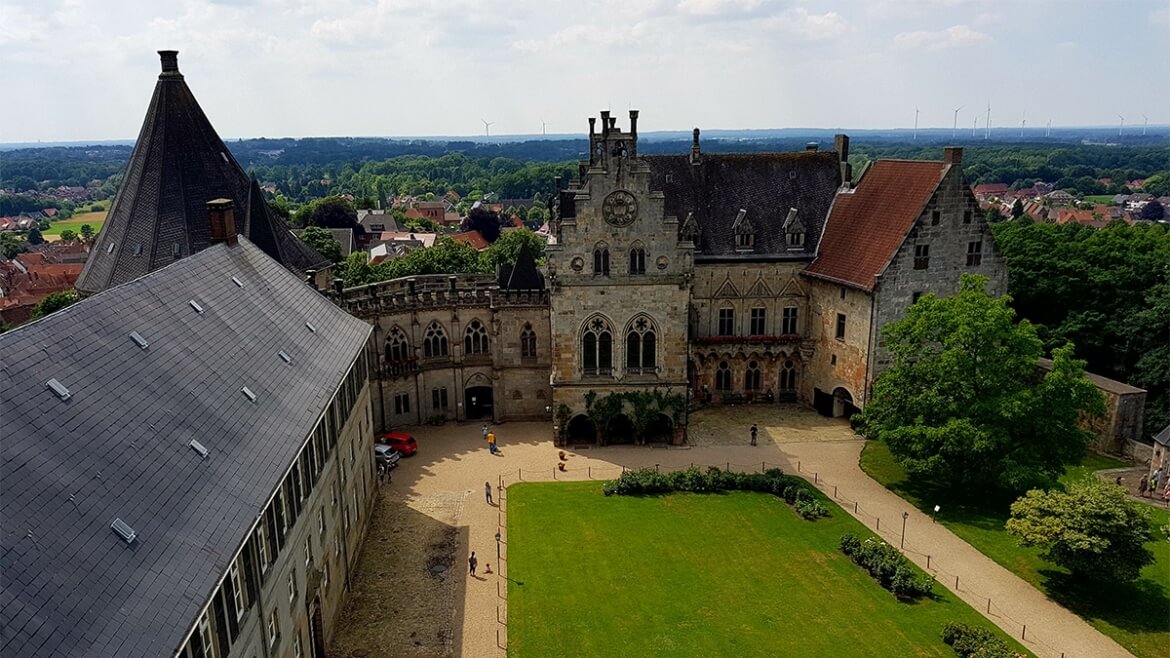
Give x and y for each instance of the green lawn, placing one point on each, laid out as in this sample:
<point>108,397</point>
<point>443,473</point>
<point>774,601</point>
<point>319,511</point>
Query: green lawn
<point>94,219</point>
<point>735,574</point>
<point>1107,199</point>
<point>1136,616</point>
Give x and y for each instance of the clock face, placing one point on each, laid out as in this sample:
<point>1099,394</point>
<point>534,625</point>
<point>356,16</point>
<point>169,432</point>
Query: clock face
<point>620,208</point>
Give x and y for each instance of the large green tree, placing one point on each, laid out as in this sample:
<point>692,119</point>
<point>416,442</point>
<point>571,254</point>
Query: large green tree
<point>322,242</point>
<point>964,403</point>
<point>1093,530</point>
<point>53,302</point>
<point>506,250</point>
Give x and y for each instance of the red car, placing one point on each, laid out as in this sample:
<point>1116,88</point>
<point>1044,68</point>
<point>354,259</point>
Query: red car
<point>401,442</point>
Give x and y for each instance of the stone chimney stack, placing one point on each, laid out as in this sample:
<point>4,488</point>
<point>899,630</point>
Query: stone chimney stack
<point>223,221</point>
<point>604,123</point>
<point>953,155</point>
<point>592,123</point>
<point>170,65</point>
<point>633,133</point>
<point>841,146</point>
<point>695,153</point>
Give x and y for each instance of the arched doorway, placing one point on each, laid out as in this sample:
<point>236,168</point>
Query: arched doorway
<point>661,430</point>
<point>843,403</point>
<point>620,429</point>
<point>581,430</point>
<point>477,402</point>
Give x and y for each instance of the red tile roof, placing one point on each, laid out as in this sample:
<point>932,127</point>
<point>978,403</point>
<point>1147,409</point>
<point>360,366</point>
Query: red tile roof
<point>473,238</point>
<point>866,226</point>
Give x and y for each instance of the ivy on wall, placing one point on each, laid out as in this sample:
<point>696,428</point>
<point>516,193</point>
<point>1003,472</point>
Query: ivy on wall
<point>641,407</point>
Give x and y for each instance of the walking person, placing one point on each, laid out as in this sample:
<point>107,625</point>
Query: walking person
<point>471,562</point>
<point>491,438</point>
<point>487,492</point>
<point>755,431</point>
<point>1143,484</point>
<point>485,432</point>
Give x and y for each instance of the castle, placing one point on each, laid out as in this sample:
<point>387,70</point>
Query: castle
<point>727,278</point>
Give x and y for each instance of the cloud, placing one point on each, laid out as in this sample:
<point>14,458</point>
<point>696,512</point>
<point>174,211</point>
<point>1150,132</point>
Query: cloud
<point>586,35</point>
<point>717,7</point>
<point>811,27</point>
<point>956,36</point>
<point>1160,16</point>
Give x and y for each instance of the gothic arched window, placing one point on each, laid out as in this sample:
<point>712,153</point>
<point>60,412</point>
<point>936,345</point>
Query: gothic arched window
<point>788,376</point>
<point>528,342</point>
<point>751,379</point>
<point>435,342</point>
<point>723,377</point>
<point>641,346</point>
<point>601,260</point>
<point>637,260</point>
<point>475,340</point>
<point>597,348</point>
<point>397,349</point>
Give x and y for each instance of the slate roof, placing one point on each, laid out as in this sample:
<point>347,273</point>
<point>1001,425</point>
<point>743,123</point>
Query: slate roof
<point>869,223</point>
<point>766,185</point>
<point>179,163</point>
<point>522,276</point>
<point>1163,437</point>
<point>119,446</point>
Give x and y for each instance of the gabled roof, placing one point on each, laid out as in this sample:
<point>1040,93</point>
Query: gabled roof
<point>179,163</point>
<point>118,447</point>
<point>522,276</point>
<point>473,238</point>
<point>1163,437</point>
<point>869,223</point>
<point>765,185</point>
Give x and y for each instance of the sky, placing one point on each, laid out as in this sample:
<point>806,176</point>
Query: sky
<point>85,69</point>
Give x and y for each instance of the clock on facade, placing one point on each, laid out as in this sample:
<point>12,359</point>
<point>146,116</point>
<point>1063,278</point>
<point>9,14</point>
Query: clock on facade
<point>620,208</point>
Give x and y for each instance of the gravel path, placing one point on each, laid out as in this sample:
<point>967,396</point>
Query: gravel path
<point>434,513</point>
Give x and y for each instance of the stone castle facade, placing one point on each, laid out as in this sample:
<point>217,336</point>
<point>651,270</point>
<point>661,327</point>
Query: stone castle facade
<point>726,278</point>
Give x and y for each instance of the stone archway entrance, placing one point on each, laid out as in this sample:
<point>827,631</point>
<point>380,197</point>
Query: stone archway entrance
<point>620,429</point>
<point>843,403</point>
<point>581,430</point>
<point>661,430</point>
<point>477,402</point>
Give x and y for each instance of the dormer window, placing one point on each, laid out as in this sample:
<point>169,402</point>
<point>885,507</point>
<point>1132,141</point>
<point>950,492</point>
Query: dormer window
<point>794,230</point>
<point>690,229</point>
<point>745,233</point>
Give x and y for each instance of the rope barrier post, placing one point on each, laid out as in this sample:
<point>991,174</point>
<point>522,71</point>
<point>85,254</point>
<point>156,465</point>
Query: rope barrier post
<point>834,491</point>
<point>519,474</point>
<point>798,466</point>
<point>763,467</point>
<point>956,583</point>
<point>855,507</point>
<point>928,562</point>
<point>989,605</point>
<point>590,472</point>
<point>816,478</point>
<point>554,472</point>
<point>879,524</point>
<point>1024,632</point>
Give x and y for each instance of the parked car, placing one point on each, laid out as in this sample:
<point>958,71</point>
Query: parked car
<point>400,441</point>
<point>386,456</point>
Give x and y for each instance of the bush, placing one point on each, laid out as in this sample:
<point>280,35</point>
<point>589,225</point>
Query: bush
<point>793,490</point>
<point>811,509</point>
<point>887,566</point>
<point>968,641</point>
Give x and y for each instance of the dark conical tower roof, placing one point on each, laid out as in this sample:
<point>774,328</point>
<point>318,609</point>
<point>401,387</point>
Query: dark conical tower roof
<point>160,213</point>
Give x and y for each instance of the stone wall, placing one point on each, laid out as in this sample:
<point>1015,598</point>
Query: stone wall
<point>838,367</point>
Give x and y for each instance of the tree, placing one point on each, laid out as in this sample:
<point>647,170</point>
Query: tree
<point>506,250</point>
<point>485,221</point>
<point>964,405</point>
<point>10,246</point>
<point>68,236</point>
<point>86,232</point>
<point>1017,209</point>
<point>356,270</point>
<point>54,301</point>
<point>1093,530</point>
<point>330,212</point>
<point>321,240</point>
<point>34,236</point>
<point>1153,210</point>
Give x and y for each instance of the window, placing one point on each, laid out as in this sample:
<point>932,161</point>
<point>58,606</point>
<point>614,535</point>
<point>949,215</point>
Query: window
<point>278,502</point>
<point>842,292</point>
<point>601,260</point>
<point>921,256</point>
<point>935,217</point>
<point>745,232</point>
<point>206,636</point>
<point>262,545</point>
<point>788,325</point>
<point>397,349</point>
<point>637,260</point>
<point>597,348</point>
<point>966,216</point>
<point>337,546</point>
<point>325,575</point>
<point>308,552</point>
<point>298,650</point>
<point>527,342</point>
<point>345,517</point>
<point>321,522</point>
<point>641,346</point>
<point>292,585</point>
<point>915,297</point>
<point>796,239</point>
<point>751,379</point>
<point>840,326</point>
<point>402,403</point>
<point>435,342</point>
<point>333,498</point>
<point>357,510</point>
<point>475,340</point>
<point>788,376</point>
<point>833,360</point>
<point>759,321</point>
<point>273,629</point>
<point>745,240</point>
<point>439,398</point>
<point>723,377</point>
<point>974,254</point>
<point>237,590</point>
<point>377,228</point>
<point>726,322</point>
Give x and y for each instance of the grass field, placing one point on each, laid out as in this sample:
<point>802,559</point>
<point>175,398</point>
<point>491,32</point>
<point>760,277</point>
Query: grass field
<point>1106,199</point>
<point>94,219</point>
<point>1136,616</point>
<point>735,574</point>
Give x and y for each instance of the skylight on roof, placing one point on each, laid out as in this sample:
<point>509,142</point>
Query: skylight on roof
<point>223,155</point>
<point>175,250</point>
<point>138,249</point>
<point>195,305</point>
<point>124,531</point>
<point>248,393</point>
<point>139,340</point>
<point>311,327</point>
<point>59,389</point>
<point>285,357</point>
<point>199,448</point>
<point>110,249</point>
<point>237,282</point>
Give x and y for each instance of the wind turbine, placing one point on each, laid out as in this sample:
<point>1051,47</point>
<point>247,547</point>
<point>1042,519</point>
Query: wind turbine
<point>543,126</point>
<point>955,126</point>
<point>487,127</point>
<point>1145,122</point>
<point>974,126</point>
<point>1023,122</point>
<point>1122,126</point>
<point>916,123</point>
<point>987,133</point>
<point>1048,130</point>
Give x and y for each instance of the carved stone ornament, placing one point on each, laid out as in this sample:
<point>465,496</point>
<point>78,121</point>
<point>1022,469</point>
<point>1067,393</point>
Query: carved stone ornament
<point>620,208</point>
<point>577,264</point>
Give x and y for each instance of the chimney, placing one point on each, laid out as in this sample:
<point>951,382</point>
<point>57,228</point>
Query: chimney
<point>953,155</point>
<point>170,65</point>
<point>557,183</point>
<point>811,147</point>
<point>604,122</point>
<point>841,146</point>
<point>592,123</point>
<point>223,221</point>
<point>695,147</point>
<point>634,133</point>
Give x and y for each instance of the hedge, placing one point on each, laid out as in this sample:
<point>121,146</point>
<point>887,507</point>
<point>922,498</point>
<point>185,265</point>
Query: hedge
<point>887,566</point>
<point>793,490</point>
<point>972,641</point>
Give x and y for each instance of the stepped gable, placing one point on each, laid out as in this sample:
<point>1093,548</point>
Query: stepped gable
<point>869,223</point>
<point>179,163</point>
<point>715,187</point>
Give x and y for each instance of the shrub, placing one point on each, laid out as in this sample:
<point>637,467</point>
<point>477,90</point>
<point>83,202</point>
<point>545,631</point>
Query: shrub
<point>887,566</point>
<point>811,509</point>
<point>971,641</point>
<point>793,490</point>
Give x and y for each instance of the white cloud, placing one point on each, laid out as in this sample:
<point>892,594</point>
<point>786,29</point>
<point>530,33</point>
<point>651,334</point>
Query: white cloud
<point>956,36</point>
<point>1160,16</point>
<point>717,7</point>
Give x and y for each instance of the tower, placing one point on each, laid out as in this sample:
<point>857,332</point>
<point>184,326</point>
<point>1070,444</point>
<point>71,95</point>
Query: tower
<point>620,279</point>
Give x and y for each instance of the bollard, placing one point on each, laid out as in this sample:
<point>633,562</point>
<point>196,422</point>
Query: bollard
<point>798,466</point>
<point>956,583</point>
<point>928,562</point>
<point>855,507</point>
<point>763,466</point>
<point>519,474</point>
<point>728,467</point>
<point>816,478</point>
<point>879,524</point>
<point>1024,632</point>
<point>590,472</point>
<point>554,472</point>
<point>834,491</point>
<point>989,605</point>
